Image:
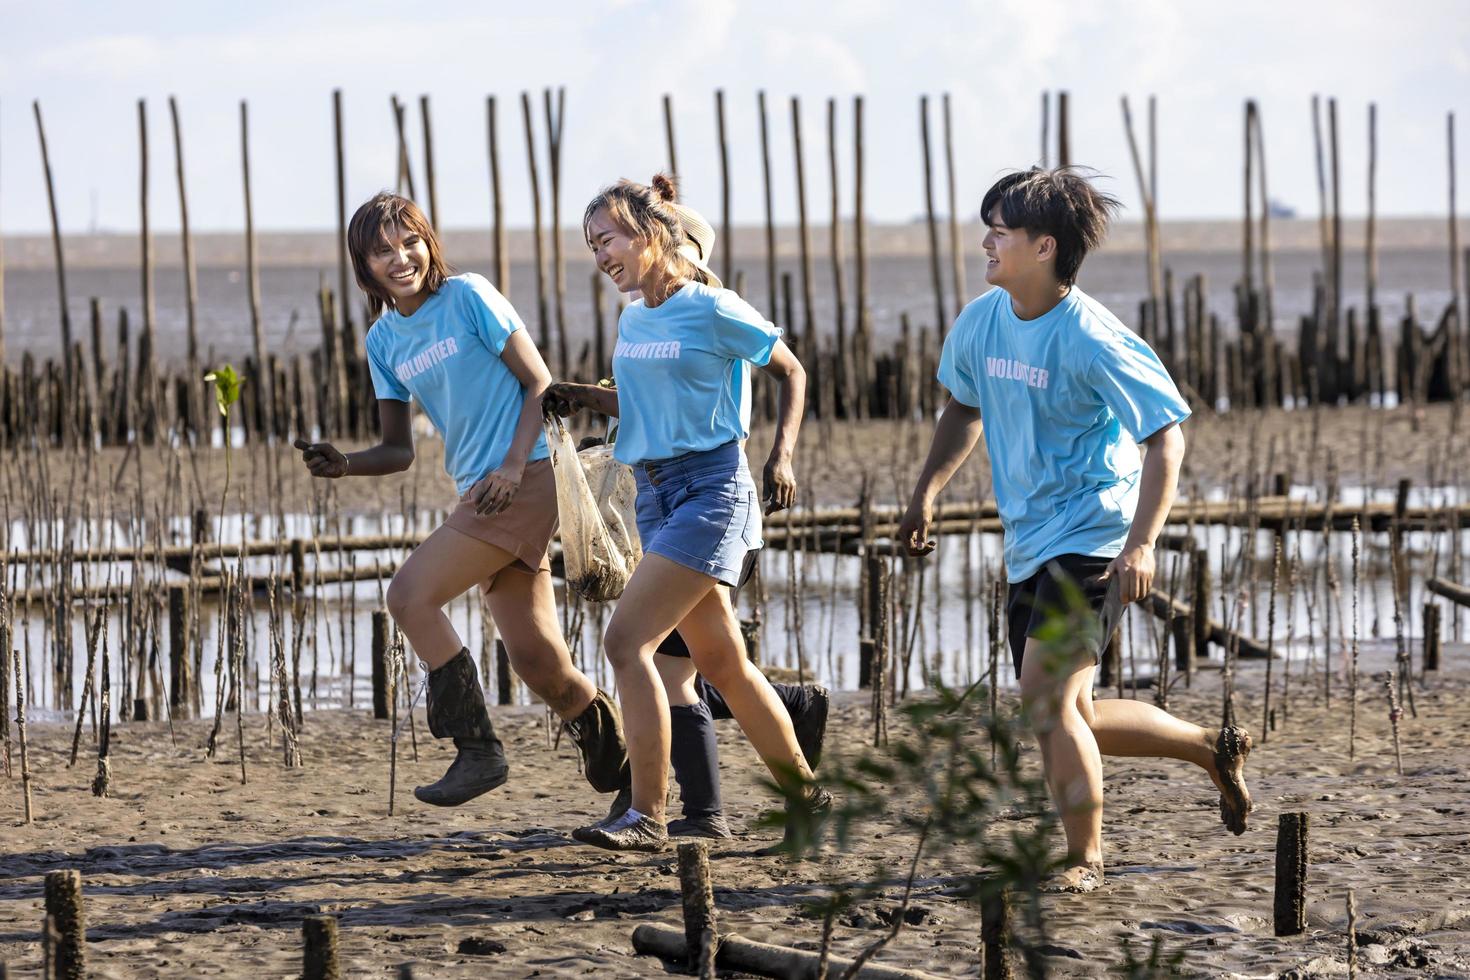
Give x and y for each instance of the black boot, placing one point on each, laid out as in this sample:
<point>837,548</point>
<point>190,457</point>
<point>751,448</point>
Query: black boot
<point>695,757</point>
<point>457,710</point>
<point>806,704</point>
<point>598,734</point>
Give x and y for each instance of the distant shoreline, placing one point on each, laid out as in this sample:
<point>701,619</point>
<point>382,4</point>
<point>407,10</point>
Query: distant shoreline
<point>471,246</point>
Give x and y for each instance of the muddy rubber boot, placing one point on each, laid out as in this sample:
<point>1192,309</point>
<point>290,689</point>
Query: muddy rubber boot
<point>598,734</point>
<point>457,710</point>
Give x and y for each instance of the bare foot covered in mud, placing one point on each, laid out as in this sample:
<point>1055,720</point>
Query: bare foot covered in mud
<point>1075,879</point>
<point>1232,746</point>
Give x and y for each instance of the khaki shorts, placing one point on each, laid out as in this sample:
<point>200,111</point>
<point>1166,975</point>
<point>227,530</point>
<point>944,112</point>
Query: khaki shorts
<point>524,528</point>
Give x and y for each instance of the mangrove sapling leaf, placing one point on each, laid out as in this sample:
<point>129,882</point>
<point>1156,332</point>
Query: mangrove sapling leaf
<point>227,383</point>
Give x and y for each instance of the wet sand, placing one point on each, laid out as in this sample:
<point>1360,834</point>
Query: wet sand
<point>190,873</point>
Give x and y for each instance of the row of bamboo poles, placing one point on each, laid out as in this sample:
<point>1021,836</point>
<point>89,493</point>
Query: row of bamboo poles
<point>142,392</point>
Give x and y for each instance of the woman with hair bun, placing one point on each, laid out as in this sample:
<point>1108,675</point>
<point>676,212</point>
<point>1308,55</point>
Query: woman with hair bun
<point>682,367</point>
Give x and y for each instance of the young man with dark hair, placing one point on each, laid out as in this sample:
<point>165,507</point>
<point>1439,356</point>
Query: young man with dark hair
<point>1067,394</point>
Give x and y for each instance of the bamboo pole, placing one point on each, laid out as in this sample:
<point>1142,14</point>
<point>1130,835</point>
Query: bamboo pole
<point>1457,344</point>
<point>842,358</point>
<point>1370,250</point>
<point>344,302</point>
<point>543,324</point>
<point>55,238</point>
<point>771,283</point>
<point>554,117</point>
<point>147,356</point>
<point>727,263</point>
<point>935,277</point>
<point>1334,323</point>
<point>1146,183</point>
<point>404,182</point>
<point>499,252</point>
<point>956,240</point>
<point>1268,276</point>
<point>1045,160</point>
<point>263,383</point>
<point>807,302</point>
<point>1064,131</point>
<point>864,325</point>
<point>429,183</point>
<point>191,278</point>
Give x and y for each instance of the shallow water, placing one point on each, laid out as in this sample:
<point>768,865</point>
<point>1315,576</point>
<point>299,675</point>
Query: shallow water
<point>943,619</point>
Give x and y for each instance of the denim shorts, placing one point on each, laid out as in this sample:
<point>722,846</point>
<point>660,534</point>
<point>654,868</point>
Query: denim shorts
<point>700,510</point>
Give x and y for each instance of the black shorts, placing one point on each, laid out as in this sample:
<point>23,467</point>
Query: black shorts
<point>673,644</point>
<point>1030,602</point>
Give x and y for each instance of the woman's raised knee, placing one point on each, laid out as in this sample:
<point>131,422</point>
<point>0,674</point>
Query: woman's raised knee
<point>405,599</point>
<point>624,647</point>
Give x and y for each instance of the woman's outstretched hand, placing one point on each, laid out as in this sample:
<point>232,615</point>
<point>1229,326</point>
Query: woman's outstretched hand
<point>322,459</point>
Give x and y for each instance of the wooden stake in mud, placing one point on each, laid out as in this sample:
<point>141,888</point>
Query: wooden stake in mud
<point>698,893</point>
<point>344,286</point>
<point>555,113</point>
<point>191,287</point>
<point>429,162</point>
<point>64,909</point>
<point>771,285</point>
<point>500,253</point>
<point>543,324</point>
<point>807,301</point>
<point>727,263</point>
<point>147,356</point>
<point>20,731</point>
<point>319,961</point>
<point>842,359</point>
<point>380,664</point>
<point>404,182</point>
<point>263,381</point>
<point>1064,132</point>
<point>55,240</point>
<point>1431,637</point>
<point>863,327</point>
<point>956,240</point>
<point>935,277</point>
<point>1291,874</point>
<point>995,934</point>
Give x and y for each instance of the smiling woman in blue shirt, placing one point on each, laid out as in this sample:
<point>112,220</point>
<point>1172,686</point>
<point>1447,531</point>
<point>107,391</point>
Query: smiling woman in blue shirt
<point>456,346</point>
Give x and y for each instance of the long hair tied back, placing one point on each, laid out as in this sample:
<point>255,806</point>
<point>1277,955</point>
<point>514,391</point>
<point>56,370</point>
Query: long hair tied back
<point>650,212</point>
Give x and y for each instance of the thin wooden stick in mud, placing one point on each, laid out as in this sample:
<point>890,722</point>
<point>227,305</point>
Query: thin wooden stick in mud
<point>808,303</point>
<point>1395,714</point>
<point>936,279</point>
<point>727,262</point>
<point>186,237</point>
<point>1045,158</point>
<point>863,325</point>
<point>555,110</point>
<point>760,98</point>
<point>1353,677</point>
<point>956,240</point>
<point>147,355</point>
<point>1458,343</point>
<point>344,285</point>
<point>842,355</point>
<point>429,181</point>
<point>543,324</point>
<point>404,182</point>
<point>1370,243</point>
<point>20,731</point>
<point>499,252</point>
<point>263,381</point>
<point>64,307</point>
<point>93,635</point>
<point>1064,131</point>
<point>102,781</point>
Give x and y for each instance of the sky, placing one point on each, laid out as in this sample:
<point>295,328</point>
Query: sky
<point>88,64</point>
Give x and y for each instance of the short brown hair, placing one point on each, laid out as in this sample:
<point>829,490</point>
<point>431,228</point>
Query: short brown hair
<point>642,211</point>
<point>369,226</point>
<point>1061,203</point>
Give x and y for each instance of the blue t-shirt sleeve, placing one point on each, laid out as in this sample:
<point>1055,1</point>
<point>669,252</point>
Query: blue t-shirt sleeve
<point>490,313</point>
<point>738,330</point>
<point>1131,380</point>
<point>953,373</point>
<point>385,383</point>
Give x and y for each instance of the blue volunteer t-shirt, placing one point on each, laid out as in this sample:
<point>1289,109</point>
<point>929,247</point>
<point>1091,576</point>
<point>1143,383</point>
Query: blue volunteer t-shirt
<point>446,356</point>
<point>682,372</point>
<point>1064,399</point>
